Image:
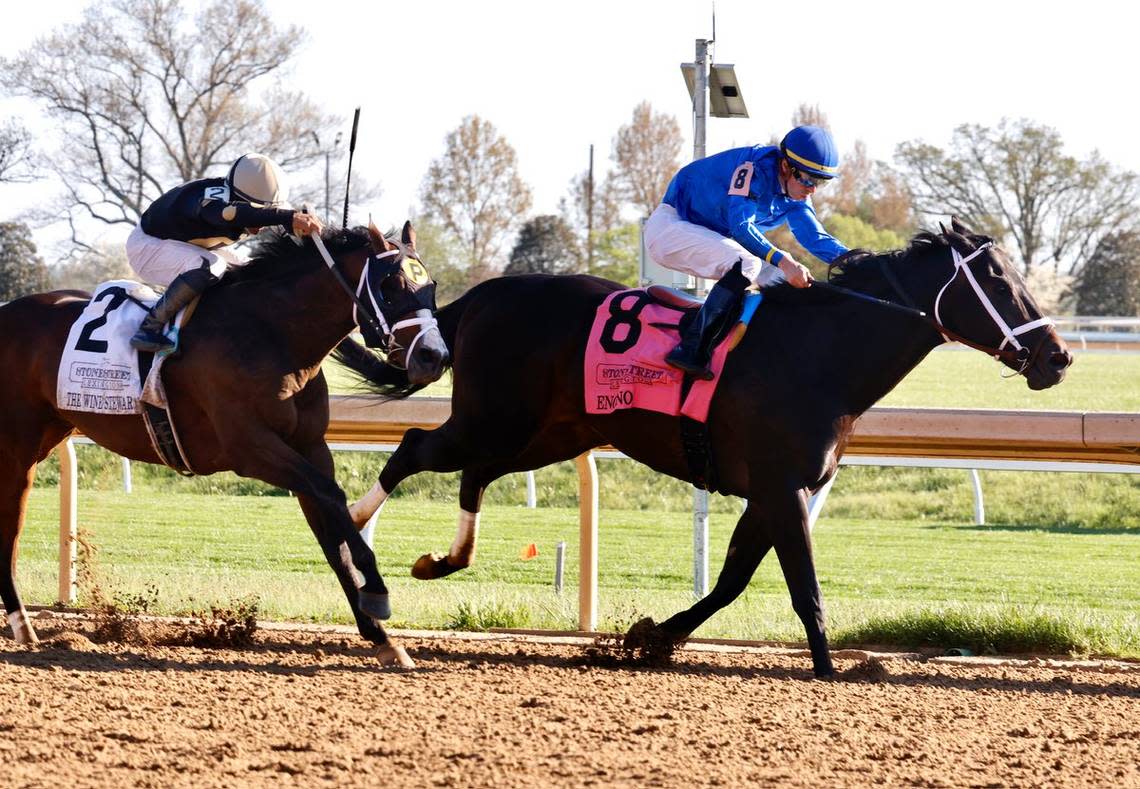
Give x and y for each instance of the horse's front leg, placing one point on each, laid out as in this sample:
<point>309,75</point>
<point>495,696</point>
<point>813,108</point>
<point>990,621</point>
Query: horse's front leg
<point>791,537</point>
<point>309,475</point>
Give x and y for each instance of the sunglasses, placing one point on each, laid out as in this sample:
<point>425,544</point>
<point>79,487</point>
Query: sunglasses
<point>810,181</point>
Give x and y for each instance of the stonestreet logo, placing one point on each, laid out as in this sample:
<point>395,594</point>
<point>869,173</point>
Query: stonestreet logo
<point>107,377</point>
<point>617,375</point>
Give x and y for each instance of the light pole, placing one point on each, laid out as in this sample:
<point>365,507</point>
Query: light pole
<point>328,155</point>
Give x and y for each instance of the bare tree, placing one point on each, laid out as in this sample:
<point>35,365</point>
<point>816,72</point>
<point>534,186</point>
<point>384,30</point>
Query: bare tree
<point>575,205</point>
<point>149,97</point>
<point>646,155</point>
<point>15,153</point>
<point>474,191</point>
<point>1016,181</point>
<point>97,264</point>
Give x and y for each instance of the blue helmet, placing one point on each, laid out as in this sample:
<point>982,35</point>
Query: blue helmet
<point>811,149</point>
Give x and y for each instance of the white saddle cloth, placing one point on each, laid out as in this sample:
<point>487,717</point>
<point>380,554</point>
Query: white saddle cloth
<point>99,370</point>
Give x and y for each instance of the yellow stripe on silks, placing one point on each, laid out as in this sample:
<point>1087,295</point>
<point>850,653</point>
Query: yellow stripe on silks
<point>771,253</point>
<point>823,168</point>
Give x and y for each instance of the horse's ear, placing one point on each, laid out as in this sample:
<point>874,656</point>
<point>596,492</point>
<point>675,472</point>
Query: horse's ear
<point>942,227</point>
<point>408,236</point>
<point>961,227</point>
<point>379,243</point>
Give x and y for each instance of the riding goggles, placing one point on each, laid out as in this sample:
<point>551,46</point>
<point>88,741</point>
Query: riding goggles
<point>810,181</point>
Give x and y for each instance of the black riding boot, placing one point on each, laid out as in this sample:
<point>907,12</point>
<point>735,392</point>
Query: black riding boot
<point>695,349</point>
<point>183,290</point>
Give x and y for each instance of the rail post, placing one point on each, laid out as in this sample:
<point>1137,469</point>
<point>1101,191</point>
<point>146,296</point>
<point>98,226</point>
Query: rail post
<point>68,523</point>
<point>587,543</point>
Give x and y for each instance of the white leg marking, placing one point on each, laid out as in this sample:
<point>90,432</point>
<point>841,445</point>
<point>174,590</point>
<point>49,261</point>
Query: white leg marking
<point>363,510</point>
<point>21,627</point>
<point>463,548</point>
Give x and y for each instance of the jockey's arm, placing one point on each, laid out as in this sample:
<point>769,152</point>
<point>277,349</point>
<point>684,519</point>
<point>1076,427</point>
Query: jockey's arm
<point>243,215</point>
<point>805,226</point>
<point>741,216</point>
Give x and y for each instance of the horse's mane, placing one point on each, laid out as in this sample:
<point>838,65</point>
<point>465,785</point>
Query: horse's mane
<point>277,255</point>
<point>862,271</point>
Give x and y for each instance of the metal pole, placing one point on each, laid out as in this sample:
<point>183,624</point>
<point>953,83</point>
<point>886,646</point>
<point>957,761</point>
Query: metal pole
<point>126,475</point>
<point>700,497</point>
<point>590,214</point>
<point>531,498</point>
<point>979,501</point>
<point>559,564</point>
<point>700,543</point>
<point>701,99</point>
<point>328,204</point>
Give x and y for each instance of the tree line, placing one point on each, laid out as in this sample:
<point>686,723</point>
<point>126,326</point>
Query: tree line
<point>148,94</point>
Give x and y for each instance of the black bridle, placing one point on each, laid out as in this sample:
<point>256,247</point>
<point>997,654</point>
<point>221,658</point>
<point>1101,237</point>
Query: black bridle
<point>1018,357</point>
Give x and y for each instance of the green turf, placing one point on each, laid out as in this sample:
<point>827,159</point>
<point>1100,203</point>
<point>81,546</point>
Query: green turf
<point>950,378</point>
<point>199,550</point>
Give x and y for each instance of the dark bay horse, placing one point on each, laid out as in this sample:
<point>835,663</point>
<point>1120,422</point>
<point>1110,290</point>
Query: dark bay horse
<point>246,390</point>
<point>810,363</point>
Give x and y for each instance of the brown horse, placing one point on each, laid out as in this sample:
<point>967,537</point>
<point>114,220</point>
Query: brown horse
<point>811,362</point>
<point>246,389</point>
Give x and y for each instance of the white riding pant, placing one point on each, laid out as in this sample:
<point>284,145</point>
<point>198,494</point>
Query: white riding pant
<point>159,260</point>
<point>694,249</point>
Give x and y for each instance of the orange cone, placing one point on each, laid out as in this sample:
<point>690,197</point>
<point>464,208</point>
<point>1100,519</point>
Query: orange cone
<point>528,552</point>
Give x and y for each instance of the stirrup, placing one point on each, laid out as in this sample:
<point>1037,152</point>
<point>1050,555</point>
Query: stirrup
<point>682,361</point>
<point>151,341</point>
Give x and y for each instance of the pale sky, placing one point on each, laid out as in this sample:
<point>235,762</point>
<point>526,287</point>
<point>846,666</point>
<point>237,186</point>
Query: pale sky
<point>554,78</point>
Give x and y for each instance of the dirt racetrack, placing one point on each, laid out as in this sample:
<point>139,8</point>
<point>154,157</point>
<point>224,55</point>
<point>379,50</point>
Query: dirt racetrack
<point>310,708</point>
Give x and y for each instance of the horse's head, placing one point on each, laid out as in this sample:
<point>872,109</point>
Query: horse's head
<point>398,290</point>
<point>985,303</point>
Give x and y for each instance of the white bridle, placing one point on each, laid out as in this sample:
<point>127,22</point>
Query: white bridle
<point>1009,334</point>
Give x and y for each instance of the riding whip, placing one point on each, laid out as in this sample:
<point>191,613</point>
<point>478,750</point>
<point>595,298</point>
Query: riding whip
<point>351,150</point>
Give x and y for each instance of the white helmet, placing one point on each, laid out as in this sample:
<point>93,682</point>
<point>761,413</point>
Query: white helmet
<point>257,180</point>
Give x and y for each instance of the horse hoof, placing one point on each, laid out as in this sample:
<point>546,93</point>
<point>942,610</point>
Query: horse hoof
<point>638,635</point>
<point>375,605</point>
<point>395,655</point>
<point>431,566</point>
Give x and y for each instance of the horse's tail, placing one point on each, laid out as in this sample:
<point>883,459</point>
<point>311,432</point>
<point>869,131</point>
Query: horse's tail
<point>372,372</point>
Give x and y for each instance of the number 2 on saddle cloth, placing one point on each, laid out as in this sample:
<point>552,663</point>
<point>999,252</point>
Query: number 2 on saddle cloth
<point>625,357</point>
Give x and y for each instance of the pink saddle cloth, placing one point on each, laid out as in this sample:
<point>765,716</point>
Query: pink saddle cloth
<point>625,360</point>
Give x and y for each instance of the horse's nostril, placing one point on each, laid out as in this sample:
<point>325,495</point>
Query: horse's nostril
<point>1060,359</point>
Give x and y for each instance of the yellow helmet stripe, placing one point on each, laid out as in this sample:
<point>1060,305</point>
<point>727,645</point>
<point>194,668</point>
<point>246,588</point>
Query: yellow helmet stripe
<point>823,168</point>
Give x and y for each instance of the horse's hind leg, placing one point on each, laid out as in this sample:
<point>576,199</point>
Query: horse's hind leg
<point>472,483</point>
<point>15,484</point>
<point>420,450</point>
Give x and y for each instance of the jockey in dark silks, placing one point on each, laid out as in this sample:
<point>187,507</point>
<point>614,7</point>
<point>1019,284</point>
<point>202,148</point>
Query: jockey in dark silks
<point>712,220</point>
<point>181,241</point>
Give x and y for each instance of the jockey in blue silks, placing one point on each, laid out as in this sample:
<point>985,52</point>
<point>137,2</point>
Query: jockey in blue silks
<point>712,220</point>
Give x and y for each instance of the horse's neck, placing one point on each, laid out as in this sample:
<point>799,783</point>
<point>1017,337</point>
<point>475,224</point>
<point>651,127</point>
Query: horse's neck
<point>314,312</point>
<point>892,344</point>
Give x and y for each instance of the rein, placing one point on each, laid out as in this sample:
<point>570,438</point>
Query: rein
<point>1018,355</point>
<point>373,314</point>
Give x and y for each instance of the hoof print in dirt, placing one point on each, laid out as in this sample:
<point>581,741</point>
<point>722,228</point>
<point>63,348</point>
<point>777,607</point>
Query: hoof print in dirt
<point>870,670</point>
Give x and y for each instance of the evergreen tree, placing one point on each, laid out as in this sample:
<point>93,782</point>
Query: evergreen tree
<point>22,271</point>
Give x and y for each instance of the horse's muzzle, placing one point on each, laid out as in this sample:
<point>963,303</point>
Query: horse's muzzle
<point>1049,364</point>
<point>428,361</point>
